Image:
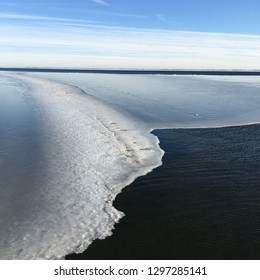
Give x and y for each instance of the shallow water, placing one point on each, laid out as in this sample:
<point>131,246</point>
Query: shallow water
<point>20,147</point>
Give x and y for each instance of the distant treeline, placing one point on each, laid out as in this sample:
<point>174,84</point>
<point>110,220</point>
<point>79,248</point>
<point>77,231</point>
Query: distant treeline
<point>149,72</point>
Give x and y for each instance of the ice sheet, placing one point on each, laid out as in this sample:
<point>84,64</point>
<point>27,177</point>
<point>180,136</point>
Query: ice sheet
<point>88,145</point>
<point>175,101</point>
<point>88,152</point>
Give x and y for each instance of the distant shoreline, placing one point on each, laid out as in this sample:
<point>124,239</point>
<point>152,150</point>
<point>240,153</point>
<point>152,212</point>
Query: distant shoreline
<point>139,72</point>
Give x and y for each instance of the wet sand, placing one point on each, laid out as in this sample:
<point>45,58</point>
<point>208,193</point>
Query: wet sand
<point>202,203</point>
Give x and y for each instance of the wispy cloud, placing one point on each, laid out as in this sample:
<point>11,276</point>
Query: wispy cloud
<point>82,44</point>
<point>117,14</point>
<point>40,18</point>
<point>101,2</point>
<point>162,18</point>
<point>10,3</point>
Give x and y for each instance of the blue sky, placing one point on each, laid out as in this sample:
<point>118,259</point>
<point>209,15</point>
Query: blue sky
<point>165,34</point>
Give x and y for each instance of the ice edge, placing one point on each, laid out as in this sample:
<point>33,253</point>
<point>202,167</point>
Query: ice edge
<point>140,148</point>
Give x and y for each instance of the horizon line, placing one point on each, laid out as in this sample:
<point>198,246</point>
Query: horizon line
<point>251,72</point>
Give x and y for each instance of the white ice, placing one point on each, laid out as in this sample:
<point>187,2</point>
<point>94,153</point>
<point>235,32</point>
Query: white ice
<point>88,153</point>
<point>93,143</point>
<point>175,101</point>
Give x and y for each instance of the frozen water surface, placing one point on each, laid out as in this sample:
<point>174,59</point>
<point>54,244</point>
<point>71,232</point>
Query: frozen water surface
<point>66,153</point>
<point>176,101</point>
<point>86,153</point>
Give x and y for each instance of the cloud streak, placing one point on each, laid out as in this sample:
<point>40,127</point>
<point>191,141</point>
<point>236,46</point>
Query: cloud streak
<point>40,18</point>
<point>73,43</point>
<point>162,18</point>
<point>117,14</point>
<point>100,2</point>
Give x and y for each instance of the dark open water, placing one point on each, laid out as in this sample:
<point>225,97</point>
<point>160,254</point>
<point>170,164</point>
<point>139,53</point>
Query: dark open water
<point>202,203</point>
